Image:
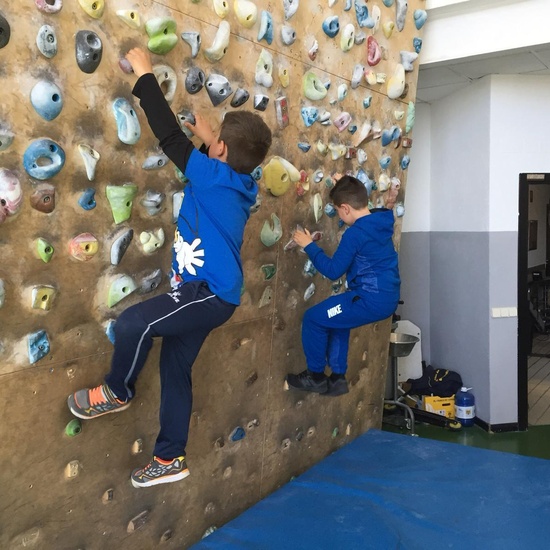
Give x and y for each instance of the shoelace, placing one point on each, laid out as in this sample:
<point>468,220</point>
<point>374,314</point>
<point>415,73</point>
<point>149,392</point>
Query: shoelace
<point>97,396</point>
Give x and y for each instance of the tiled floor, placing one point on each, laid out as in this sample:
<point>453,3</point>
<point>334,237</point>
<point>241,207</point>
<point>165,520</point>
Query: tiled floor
<point>539,381</point>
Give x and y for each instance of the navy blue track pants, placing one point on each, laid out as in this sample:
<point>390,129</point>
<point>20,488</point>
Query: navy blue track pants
<point>326,328</point>
<point>183,318</point>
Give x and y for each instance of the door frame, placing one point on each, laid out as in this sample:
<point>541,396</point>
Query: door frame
<point>524,324</point>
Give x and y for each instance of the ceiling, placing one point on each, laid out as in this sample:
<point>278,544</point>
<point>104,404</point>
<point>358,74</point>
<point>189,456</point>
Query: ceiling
<point>439,80</point>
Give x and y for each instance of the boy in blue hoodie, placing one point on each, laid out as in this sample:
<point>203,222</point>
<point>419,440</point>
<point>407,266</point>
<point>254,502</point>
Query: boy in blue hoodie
<point>368,258</point>
<point>206,270</point>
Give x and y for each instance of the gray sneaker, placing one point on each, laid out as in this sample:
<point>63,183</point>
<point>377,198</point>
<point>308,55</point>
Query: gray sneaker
<point>95,402</point>
<point>160,471</point>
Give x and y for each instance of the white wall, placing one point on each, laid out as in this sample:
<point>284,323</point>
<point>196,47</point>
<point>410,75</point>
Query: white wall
<point>417,196</point>
<point>459,160</point>
<point>458,29</point>
<point>520,121</point>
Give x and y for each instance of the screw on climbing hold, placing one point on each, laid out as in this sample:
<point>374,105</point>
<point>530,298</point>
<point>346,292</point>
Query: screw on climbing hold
<point>138,522</point>
<point>42,297</point>
<point>74,427</point>
<point>11,194</point>
<point>43,159</point>
<point>46,41</point>
<point>120,245</point>
<point>119,288</point>
<point>218,88</point>
<point>128,128</point>
<point>194,40</point>
<point>162,34</point>
<point>38,346</point>
<point>220,44</point>
<point>246,12</point>
<point>108,496</point>
<point>5,31</point>
<point>137,446</point>
<point>251,379</point>
<point>88,51</point>
<point>90,157</point>
<point>237,434</point>
<point>120,198</point>
<point>83,247</point>
<point>72,469</point>
<point>150,282</point>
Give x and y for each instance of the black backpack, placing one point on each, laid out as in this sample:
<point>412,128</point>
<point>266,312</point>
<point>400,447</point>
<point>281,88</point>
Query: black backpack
<point>440,382</point>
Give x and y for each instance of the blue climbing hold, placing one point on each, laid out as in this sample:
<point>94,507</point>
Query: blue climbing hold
<point>46,99</point>
<point>43,149</point>
<point>128,128</point>
<point>38,345</point>
<point>87,199</point>
<point>309,115</point>
<point>331,26</point>
<point>417,44</point>
<point>405,161</point>
<point>304,146</point>
<point>237,434</point>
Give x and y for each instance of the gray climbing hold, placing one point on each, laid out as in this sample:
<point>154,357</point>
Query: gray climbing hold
<point>150,282</point>
<point>6,138</point>
<point>194,41</point>
<point>46,41</point>
<point>154,162</point>
<point>218,88</point>
<point>194,81</point>
<point>167,79</point>
<point>288,35</point>
<point>240,97</point>
<point>120,245</point>
<point>186,116</point>
<point>260,102</point>
<point>89,50</point>
<point>152,202</point>
<point>5,31</point>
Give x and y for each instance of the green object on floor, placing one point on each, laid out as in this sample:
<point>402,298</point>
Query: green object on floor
<point>74,427</point>
<point>533,442</point>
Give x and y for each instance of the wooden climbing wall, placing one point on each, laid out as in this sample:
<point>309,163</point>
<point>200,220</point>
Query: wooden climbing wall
<point>74,492</point>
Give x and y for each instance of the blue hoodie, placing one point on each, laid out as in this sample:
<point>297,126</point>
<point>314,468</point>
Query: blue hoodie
<point>366,255</point>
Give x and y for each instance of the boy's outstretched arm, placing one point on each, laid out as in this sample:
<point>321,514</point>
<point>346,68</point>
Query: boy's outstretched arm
<point>161,119</point>
<point>334,267</point>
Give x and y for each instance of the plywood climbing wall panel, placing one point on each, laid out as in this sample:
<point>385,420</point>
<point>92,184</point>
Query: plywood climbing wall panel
<point>62,283</point>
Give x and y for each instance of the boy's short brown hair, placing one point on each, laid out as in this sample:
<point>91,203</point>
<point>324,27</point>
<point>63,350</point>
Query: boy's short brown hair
<point>247,138</point>
<point>349,190</point>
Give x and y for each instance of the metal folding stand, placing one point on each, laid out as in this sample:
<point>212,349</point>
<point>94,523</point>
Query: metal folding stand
<point>401,345</point>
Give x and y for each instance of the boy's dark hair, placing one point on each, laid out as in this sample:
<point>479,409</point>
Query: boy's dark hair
<point>247,138</point>
<point>349,190</point>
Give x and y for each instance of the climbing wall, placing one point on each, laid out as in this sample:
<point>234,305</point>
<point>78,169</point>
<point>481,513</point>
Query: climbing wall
<point>87,203</point>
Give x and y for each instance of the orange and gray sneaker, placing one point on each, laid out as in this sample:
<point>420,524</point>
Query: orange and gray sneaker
<point>95,402</point>
<point>160,471</point>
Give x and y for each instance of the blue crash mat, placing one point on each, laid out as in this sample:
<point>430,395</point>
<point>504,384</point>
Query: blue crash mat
<point>392,491</point>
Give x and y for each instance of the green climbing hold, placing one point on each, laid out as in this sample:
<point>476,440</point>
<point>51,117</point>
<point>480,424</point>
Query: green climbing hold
<point>44,249</point>
<point>120,198</point>
<point>119,289</point>
<point>162,35</point>
<point>74,427</point>
<point>269,271</point>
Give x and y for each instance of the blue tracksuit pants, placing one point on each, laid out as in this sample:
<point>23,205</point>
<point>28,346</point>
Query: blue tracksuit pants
<point>326,328</point>
<point>183,318</point>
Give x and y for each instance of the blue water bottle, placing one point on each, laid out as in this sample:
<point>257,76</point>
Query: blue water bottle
<point>465,407</point>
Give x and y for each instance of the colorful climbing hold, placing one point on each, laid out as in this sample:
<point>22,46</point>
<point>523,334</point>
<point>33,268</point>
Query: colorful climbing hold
<point>162,35</point>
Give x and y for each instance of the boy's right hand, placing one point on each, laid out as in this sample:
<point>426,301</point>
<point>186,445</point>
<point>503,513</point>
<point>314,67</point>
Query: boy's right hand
<point>202,130</point>
<point>302,238</point>
<point>140,61</point>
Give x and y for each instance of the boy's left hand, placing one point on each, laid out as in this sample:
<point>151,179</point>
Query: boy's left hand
<point>302,238</point>
<point>140,61</point>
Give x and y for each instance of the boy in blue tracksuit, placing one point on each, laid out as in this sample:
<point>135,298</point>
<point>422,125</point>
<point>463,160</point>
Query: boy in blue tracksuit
<point>206,270</point>
<point>368,258</point>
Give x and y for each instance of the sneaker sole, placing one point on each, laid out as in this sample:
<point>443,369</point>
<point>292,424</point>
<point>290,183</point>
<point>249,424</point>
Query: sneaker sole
<point>163,479</point>
<point>84,417</point>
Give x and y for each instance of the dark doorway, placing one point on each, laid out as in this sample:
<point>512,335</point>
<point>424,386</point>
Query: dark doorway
<point>533,297</point>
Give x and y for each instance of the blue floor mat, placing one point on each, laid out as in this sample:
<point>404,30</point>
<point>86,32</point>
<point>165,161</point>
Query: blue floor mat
<point>392,491</point>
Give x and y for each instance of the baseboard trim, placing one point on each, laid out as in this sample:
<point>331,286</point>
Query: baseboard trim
<point>497,428</point>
